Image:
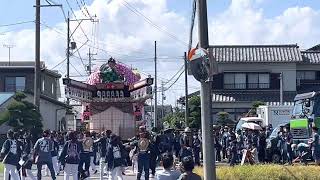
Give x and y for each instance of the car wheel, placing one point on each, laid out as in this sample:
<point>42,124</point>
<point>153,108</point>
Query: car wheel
<point>275,158</point>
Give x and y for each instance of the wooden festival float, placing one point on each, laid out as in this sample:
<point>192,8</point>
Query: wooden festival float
<point>112,98</point>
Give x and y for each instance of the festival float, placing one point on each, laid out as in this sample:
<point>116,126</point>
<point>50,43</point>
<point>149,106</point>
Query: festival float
<point>113,97</point>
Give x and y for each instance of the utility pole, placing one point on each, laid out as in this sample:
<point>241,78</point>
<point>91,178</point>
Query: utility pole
<point>90,61</point>
<point>68,51</point>
<point>281,88</point>
<point>89,68</point>
<point>37,58</point>
<point>186,113</point>
<point>206,100</point>
<point>9,46</point>
<point>155,120</point>
<point>162,99</point>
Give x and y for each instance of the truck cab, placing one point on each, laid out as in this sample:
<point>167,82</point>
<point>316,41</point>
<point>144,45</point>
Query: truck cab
<point>306,113</point>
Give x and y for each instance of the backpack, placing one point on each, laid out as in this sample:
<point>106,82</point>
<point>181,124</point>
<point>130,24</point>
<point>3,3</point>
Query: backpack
<point>72,152</point>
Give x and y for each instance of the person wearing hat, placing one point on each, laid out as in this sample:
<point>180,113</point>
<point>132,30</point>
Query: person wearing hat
<point>186,143</point>
<point>315,145</point>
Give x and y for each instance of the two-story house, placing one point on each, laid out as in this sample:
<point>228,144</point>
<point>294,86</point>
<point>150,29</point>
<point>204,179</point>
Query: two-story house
<point>19,76</point>
<point>248,73</point>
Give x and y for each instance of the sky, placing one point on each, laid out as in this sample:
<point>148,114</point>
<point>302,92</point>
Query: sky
<point>127,30</point>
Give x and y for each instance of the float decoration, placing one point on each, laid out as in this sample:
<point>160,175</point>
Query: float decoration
<point>111,85</point>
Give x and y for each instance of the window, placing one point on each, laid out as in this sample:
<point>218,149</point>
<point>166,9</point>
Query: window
<point>13,84</point>
<point>52,88</point>
<point>235,81</point>
<point>246,80</point>
<point>264,81</point>
<point>306,75</point>
<point>42,85</point>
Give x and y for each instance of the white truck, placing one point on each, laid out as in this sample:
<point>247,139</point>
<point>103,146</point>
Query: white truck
<point>275,114</point>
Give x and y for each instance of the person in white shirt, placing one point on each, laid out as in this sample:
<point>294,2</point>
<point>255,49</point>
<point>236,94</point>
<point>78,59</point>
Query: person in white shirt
<point>167,173</point>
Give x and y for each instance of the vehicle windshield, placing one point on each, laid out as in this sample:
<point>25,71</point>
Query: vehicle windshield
<point>239,125</point>
<point>274,133</point>
<point>298,107</point>
<point>302,109</point>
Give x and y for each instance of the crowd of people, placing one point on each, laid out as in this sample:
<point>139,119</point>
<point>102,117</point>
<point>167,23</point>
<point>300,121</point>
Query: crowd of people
<point>177,152</point>
<point>77,154</point>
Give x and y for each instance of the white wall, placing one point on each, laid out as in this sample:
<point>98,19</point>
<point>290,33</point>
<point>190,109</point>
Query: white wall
<point>288,70</point>
<point>50,113</point>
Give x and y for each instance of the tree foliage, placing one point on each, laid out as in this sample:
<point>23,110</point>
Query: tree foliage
<point>21,114</point>
<point>255,105</point>
<point>174,118</point>
<point>224,119</point>
<point>195,112</point>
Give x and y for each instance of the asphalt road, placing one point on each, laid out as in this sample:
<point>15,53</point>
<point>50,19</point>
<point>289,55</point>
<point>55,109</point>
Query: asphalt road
<point>129,175</point>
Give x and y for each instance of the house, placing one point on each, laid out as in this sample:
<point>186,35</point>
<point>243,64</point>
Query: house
<point>19,76</point>
<point>248,73</point>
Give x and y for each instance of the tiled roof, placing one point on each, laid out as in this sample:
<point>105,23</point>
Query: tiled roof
<point>311,57</point>
<point>257,53</point>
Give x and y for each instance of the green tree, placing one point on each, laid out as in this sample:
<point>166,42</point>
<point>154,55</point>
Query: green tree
<point>195,112</point>
<point>255,105</point>
<point>21,114</point>
<point>224,119</point>
<point>174,119</point>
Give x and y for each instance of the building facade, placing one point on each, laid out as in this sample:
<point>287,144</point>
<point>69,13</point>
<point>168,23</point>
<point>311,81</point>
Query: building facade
<point>249,73</point>
<point>19,76</point>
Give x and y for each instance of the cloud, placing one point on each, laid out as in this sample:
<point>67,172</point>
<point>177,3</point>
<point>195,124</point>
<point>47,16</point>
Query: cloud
<point>245,23</point>
<point>128,37</point>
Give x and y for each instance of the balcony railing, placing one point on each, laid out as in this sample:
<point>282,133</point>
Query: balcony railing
<point>247,86</point>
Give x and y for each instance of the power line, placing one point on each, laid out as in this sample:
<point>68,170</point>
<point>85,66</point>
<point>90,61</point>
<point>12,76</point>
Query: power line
<point>81,8</point>
<point>149,21</point>
<point>85,7</point>
<point>76,18</point>
<point>14,24</point>
<point>175,80</point>
<point>174,75</point>
<point>75,69</point>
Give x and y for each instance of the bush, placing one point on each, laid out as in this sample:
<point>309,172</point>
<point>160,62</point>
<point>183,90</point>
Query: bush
<point>266,172</point>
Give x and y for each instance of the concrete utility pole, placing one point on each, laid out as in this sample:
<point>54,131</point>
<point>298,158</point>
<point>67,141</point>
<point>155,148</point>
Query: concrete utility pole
<point>186,113</point>
<point>90,61</point>
<point>37,58</point>
<point>155,120</point>
<point>162,99</point>
<point>206,100</point>
<point>68,51</point>
<point>281,88</point>
<point>9,46</point>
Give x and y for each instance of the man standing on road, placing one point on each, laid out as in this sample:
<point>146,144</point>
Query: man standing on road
<point>70,154</point>
<point>315,145</point>
<point>103,144</point>
<point>288,143</point>
<point>42,154</point>
<point>10,155</point>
